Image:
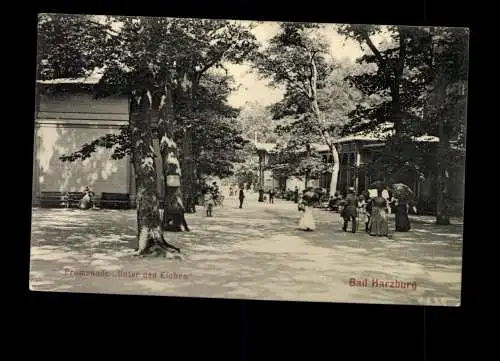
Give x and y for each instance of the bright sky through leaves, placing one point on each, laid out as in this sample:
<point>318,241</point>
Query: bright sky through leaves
<point>254,89</point>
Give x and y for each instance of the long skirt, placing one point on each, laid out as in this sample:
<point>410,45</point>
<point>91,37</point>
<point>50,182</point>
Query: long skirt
<point>378,225</point>
<point>402,220</point>
<point>306,222</point>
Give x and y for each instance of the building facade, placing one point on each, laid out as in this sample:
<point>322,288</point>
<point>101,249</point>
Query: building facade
<point>357,153</point>
<point>67,117</point>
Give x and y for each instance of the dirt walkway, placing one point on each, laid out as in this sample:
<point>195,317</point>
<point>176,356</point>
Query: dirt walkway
<point>255,252</point>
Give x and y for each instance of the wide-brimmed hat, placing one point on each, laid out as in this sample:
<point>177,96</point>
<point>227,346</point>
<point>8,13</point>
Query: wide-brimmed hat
<point>351,189</point>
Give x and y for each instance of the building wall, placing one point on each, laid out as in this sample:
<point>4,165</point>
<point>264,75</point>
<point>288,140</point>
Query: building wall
<point>64,123</point>
<point>355,156</point>
<point>269,181</point>
<point>293,182</point>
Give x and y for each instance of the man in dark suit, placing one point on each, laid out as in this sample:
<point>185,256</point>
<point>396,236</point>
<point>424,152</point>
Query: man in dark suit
<point>271,195</point>
<point>296,195</point>
<point>241,196</point>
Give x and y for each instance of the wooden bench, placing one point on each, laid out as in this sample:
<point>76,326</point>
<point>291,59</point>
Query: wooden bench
<point>115,200</point>
<point>60,199</point>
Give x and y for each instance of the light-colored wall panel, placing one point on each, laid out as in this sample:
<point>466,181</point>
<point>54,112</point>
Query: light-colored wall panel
<point>99,171</point>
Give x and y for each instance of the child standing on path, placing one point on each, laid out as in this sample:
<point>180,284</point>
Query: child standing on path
<point>208,199</point>
<point>362,212</point>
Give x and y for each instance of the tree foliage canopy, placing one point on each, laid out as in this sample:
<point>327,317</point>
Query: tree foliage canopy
<point>430,73</point>
<point>141,51</point>
<point>256,122</point>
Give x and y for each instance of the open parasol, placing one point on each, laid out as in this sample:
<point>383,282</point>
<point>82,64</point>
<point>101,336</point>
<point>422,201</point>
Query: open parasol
<point>376,186</point>
<point>402,192</point>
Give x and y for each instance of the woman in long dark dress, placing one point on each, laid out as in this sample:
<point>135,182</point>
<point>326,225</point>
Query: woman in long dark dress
<point>378,225</point>
<point>402,220</point>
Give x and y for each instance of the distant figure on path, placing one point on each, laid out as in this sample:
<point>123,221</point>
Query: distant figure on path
<point>271,196</point>
<point>350,209</point>
<point>241,196</point>
<point>378,225</point>
<point>296,195</point>
<point>208,200</point>
<point>261,195</point>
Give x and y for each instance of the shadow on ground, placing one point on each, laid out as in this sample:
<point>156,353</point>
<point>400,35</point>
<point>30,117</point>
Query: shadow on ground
<point>255,252</point>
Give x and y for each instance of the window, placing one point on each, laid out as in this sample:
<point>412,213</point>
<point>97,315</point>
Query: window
<point>352,159</point>
<point>345,159</point>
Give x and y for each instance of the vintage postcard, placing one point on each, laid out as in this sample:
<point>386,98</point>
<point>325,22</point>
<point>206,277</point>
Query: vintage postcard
<point>249,160</point>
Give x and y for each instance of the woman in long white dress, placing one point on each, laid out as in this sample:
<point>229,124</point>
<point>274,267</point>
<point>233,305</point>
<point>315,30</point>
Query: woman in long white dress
<point>306,222</point>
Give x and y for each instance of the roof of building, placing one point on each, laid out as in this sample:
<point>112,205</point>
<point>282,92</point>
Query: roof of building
<point>92,79</point>
<point>72,85</point>
<point>374,136</point>
<point>268,147</point>
<point>88,80</point>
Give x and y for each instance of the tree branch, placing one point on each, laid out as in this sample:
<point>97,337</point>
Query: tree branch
<point>402,51</point>
<point>375,51</point>
<point>313,78</point>
<point>108,28</point>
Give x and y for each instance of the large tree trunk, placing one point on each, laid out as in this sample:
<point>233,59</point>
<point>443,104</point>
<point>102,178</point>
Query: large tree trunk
<point>335,169</point>
<point>394,73</point>
<point>188,171</point>
<point>307,174</point>
<point>442,209</point>
<point>189,86</point>
<point>149,228</point>
<point>173,216</point>
<point>442,179</point>
<point>326,134</point>
<point>398,115</point>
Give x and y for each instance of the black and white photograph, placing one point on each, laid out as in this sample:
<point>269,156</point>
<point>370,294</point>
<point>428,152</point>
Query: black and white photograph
<point>253,160</point>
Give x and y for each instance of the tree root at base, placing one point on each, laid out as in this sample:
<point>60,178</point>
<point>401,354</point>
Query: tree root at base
<point>158,249</point>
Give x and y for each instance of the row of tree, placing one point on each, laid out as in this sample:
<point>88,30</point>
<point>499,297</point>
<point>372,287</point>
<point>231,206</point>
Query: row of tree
<point>173,71</point>
<point>415,80</point>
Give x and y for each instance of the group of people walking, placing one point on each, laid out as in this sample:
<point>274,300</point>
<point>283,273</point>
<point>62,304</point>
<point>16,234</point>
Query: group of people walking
<point>370,210</point>
<point>212,197</point>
